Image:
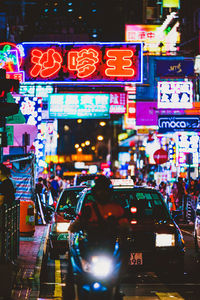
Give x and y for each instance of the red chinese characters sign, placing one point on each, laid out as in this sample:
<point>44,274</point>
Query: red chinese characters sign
<point>83,62</point>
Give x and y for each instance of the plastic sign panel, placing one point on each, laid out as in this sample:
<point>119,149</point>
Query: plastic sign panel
<point>80,105</point>
<point>175,94</point>
<point>10,60</point>
<point>171,3</point>
<point>153,35</point>
<point>187,143</point>
<point>83,62</point>
<point>118,103</point>
<point>178,123</point>
<point>179,67</point>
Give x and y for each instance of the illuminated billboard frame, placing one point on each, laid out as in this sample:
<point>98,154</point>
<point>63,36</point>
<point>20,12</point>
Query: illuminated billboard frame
<point>175,94</point>
<point>83,62</point>
<point>79,105</point>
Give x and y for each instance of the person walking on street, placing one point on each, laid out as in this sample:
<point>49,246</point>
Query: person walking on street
<point>7,190</point>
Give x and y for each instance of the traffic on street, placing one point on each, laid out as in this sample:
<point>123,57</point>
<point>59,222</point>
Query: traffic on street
<point>99,150</point>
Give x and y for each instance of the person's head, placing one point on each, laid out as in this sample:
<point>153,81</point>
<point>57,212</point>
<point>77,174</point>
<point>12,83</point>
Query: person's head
<point>40,179</point>
<point>102,189</point>
<point>4,172</point>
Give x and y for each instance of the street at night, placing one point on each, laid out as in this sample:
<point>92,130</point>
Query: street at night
<point>144,286</point>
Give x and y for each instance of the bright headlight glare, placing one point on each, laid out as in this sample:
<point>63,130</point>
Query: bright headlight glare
<point>62,227</point>
<point>165,240</point>
<point>101,266</point>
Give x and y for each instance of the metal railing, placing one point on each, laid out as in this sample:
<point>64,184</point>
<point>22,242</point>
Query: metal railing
<point>9,232</point>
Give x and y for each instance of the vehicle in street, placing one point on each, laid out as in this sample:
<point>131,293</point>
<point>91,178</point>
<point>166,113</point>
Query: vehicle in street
<point>64,212</point>
<point>197,227</point>
<point>155,242</point>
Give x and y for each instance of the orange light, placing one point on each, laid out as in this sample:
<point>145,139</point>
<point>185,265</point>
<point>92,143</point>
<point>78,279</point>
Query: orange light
<point>46,63</point>
<point>133,210</point>
<point>84,62</point>
<point>119,63</point>
<point>133,222</point>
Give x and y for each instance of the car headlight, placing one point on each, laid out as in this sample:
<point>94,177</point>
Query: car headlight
<point>100,266</point>
<point>61,227</point>
<point>165,240</point>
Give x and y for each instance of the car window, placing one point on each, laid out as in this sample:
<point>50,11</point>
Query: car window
<point>149,205</point>
<point>68,198</point>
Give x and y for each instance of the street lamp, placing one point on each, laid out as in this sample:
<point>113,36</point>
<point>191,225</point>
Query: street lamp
<point>100,138</point>
<point>87,143</point>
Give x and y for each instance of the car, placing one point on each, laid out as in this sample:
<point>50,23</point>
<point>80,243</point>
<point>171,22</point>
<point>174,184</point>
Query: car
<point>197,227</point>
<point>155,242</point>
<point>64,212</point>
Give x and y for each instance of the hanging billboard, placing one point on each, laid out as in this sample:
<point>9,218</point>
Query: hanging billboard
<point>79,105</point>
<point>71,62</point>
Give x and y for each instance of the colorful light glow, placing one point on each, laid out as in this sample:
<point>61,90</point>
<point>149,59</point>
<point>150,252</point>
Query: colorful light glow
<point>46,63</point>
<point>13,46</point>
<point>119,62</point>
<point>83,62</point>
<point>153,35</point>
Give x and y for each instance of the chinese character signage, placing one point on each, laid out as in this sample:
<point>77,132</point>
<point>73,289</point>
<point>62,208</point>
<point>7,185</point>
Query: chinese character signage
<point>178,123</point>
<point>178,68</point>
<point>118,103</point>
<point>175,94</point>
<point>10,60</point>
<point>187,143</point>
<point>83,62</point>
<point>79,105</point>
<point>153,35</point>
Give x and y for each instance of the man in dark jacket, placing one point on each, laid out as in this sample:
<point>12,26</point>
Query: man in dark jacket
<point>7,190</point>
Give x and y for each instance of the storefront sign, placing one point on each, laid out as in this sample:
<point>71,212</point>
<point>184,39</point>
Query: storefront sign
<point>178,68</point>
<point>178,123</point>
<point>175,94</point>
<point>10,60</point>
<point>79,105</point>
<point>153,35</point>
<point>118,103</point>
<point>83,62</point>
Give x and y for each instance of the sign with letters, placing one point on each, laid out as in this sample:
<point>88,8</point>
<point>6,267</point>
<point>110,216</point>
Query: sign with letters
<point>71,62</point>
<point>178,68</point>
<point>178,123</point>
<point>175,94</point>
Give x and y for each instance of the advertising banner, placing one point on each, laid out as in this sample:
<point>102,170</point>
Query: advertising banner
<point>178,123</point>
<point>178,68</point>
<point>83,62</point>
<point>175,94</point>
<point>79,105</point>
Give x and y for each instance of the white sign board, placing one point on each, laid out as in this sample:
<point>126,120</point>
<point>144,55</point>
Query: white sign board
<point>175,94</point>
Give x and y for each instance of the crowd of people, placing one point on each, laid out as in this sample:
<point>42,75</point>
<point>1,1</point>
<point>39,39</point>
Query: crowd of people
<point>176,194</point>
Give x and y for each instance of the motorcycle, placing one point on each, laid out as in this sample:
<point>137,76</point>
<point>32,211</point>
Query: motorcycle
<point>96,264</point>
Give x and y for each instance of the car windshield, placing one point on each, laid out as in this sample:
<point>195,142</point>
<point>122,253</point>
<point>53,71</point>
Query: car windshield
<point>68,198</point>
<point>142,205</point>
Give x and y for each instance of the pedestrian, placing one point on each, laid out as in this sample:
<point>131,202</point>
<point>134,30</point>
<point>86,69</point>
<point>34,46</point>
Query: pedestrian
<point>54,188</point>
<point>7,190</point>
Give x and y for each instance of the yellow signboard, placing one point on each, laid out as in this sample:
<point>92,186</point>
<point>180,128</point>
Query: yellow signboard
<point>171,3</point>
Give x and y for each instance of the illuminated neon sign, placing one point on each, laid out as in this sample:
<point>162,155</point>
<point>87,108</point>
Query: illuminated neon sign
<point>79,105</point>
<point>153,35</point>
<point>10,60</point>
<point>83,62</point>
